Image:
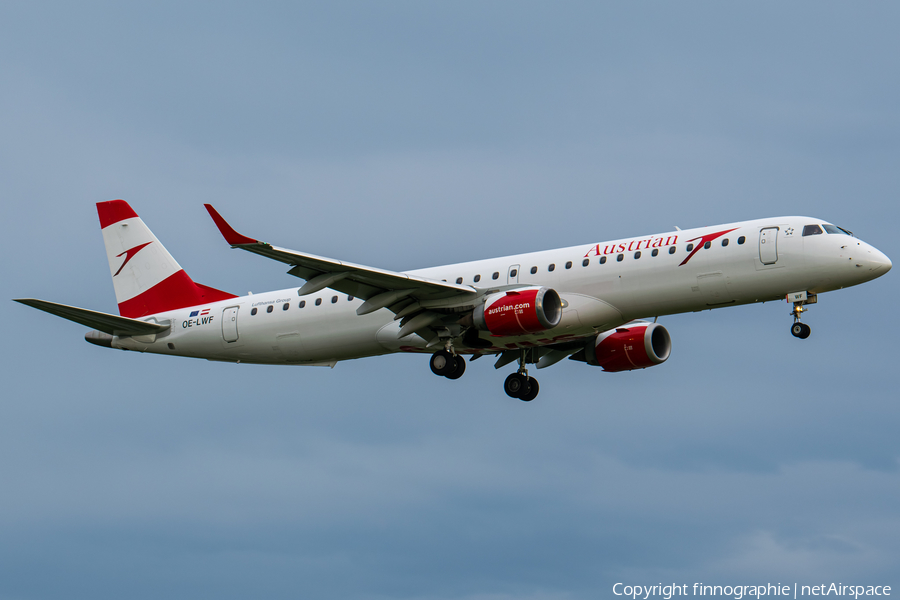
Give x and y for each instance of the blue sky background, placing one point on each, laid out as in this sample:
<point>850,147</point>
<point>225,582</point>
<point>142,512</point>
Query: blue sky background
<point>404,135</point>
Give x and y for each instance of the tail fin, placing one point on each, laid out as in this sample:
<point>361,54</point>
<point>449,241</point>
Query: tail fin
<point>146,278</point>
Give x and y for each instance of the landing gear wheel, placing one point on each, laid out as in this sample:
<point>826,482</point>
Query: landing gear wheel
<point>532,392</point>
<point>443,363</point>
<point>800,330</point>
<point>515,385</point>
<point>459,369</point>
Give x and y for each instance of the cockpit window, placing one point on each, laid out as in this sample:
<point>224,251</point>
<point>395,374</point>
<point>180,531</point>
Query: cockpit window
<point>812,230</point>
<point>835,229</point>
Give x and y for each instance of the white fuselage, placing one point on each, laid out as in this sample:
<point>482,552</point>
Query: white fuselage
<point>602,286</point>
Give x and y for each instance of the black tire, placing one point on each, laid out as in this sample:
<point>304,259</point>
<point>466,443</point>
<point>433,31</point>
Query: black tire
<point>442,363</point>
<point>515,385</point>
<point>800,330</point>
<point>533,389</point>
<point>459,369</point>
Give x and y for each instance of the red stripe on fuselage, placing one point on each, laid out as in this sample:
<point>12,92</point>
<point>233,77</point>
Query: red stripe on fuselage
<point>172,293</point>
<point>114,211</point>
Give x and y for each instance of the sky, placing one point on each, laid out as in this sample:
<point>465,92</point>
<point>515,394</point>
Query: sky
<point>404,135</point>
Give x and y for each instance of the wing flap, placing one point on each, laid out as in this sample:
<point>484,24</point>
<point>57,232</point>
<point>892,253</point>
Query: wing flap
<point>107,323</point>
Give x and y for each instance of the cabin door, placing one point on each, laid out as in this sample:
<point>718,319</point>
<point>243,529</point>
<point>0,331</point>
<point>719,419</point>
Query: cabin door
<point>768,245</point>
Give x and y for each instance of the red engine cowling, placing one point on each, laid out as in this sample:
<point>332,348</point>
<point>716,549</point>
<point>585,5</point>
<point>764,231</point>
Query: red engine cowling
<point>519,312</point>
<point>637,346</point>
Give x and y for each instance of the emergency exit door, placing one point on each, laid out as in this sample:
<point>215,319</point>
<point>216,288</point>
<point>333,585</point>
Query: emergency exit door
<point>229,324</point>
<point>512,275</point>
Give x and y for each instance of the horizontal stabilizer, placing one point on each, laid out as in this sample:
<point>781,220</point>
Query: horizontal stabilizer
<point>107,323</point>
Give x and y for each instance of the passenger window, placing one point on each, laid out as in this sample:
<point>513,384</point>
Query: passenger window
<point>569,264</point>
<point>270,308</point>
<point>533,270</point>
<point>253,311</point>
<point>285,306</point>
<point>477,278</point>
<point>349,298</point>
<point>334,299</point>
<point>655,252</point>
<point>495,276</point>
<point>620,257</point>
<point>707,245</point>
<point>551,267</point>
<point>302,303</point>
<point>602,260</point>
<point>513,273</point>
<point>724,242</point>
<point>318,302</point>
<point>671,249</point>
<point>637,254</point>
<point>690,247</point>
<point>741,240</point>
<point>458,280</point>
<point>585,262</point>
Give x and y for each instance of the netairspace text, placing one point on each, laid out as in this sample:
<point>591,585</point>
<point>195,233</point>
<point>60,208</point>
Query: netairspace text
<point>666,592</point>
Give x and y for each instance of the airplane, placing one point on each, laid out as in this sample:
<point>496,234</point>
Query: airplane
<point>587,303</point>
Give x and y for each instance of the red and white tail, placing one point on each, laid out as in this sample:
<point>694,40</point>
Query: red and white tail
<point>146,277</point>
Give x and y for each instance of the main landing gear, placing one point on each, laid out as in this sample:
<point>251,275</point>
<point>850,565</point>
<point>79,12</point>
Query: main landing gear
<point>520,385</point>
<point>798,329</point>
<point>447,364</point>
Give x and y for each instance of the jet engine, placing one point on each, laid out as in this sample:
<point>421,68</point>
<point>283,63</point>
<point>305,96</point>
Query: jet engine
<point>519,312</point>
<point>635,346</point>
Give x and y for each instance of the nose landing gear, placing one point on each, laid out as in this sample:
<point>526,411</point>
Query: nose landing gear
<point>798,329</point>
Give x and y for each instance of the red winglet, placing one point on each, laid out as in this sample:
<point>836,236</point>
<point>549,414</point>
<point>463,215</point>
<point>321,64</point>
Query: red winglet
<point>231,236</point>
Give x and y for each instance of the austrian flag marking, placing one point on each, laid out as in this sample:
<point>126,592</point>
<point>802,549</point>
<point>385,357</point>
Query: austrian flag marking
<point>198,318</point>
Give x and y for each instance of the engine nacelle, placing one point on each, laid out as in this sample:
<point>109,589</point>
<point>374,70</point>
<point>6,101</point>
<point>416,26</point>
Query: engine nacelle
<point>637,346</point>
<point>519,312</point>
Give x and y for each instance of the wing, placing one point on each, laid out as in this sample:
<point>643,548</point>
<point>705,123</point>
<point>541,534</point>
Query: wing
<point>379,288</point>
<point>111,324</point>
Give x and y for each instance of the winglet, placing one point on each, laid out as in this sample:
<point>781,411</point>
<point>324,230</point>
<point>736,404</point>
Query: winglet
<point>231,236</point>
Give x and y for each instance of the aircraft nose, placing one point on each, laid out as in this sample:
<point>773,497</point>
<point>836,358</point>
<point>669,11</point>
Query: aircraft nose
<point>878,262</point>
